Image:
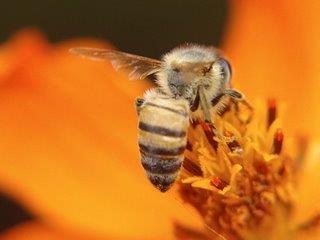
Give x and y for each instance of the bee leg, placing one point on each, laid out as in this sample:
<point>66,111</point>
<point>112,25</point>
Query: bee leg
<point>250,108</point>
<point>195,105</point>
<point>139,102</point>
<point>216,99</point>
<point>207,117</point>
<point>237,98</point>
<point>234,94</point>
<point>205,106</point>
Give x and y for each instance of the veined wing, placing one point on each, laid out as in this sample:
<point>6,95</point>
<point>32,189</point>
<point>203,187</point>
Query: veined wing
<point>138,67</point>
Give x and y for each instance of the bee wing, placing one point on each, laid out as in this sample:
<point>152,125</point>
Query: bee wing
<point>138,67</point>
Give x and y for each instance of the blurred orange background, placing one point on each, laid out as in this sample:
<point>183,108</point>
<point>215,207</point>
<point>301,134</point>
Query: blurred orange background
<point>68,147</point>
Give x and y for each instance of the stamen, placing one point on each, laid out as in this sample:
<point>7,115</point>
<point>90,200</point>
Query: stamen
<point>189,146</point>
<point>209,132</point>
<point>234,146</point>
<point>277,141</point>
<point>218,183</point>
<point>272,111</point>
<point>191,167</point>
<point>261,167</point>
<point>238,188</point>
<point>195,123</point>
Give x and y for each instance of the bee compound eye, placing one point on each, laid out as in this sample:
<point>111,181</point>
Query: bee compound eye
<point>226,70</point>
<point>139,102</point>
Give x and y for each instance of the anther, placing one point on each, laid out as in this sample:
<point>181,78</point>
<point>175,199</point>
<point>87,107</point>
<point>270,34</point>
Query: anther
<point>218,183</point>
<point>191,167</point>
<point>209,132</point>
<point>234,145</point>
<point>272,111</point>
<point>277,141</point>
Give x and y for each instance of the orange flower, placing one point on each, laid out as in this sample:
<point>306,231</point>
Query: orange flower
<point>68,133</point>
<point>244,188</point>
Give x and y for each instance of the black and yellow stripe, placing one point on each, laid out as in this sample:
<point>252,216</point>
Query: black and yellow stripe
<point>162,141</point>
<point>161,130</point>
<point>167,108</point>
<point>151,150</point>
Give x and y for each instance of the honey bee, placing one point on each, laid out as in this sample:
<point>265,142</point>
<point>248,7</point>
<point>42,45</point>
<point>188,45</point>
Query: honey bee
<point>192,81</point>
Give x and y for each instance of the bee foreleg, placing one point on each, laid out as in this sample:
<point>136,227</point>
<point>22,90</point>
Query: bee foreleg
<point>237,109</point>
<point>205,106</point>
<point>238,97</point>
<point>207,117</point>
<point>234,94</point>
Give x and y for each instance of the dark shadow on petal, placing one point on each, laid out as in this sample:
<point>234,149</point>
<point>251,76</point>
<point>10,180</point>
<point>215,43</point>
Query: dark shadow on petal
<point>12,213</point>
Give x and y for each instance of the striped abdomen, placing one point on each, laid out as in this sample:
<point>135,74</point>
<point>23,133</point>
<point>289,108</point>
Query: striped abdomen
<point>163,125</point>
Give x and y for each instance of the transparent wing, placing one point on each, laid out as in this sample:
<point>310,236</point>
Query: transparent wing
<point>138,67</point>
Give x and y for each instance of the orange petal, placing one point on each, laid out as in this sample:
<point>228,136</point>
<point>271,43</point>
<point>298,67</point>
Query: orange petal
<point>308,197</point>
<point>37,230</point>
<point>274,47</point>
<point>40,231</point>
<point>68,146</point>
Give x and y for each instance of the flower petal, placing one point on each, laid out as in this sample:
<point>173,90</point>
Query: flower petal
<point>40,231</point>
<point>274,47</point>
<point>308,189</point>
<point>68,145</point>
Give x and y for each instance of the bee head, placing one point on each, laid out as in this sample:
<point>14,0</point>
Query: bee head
<point>187,68</point>
<point>183,77</point>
